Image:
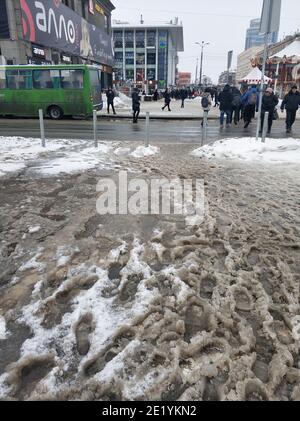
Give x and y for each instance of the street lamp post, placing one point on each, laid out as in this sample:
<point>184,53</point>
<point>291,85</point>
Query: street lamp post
<point>203,43</point>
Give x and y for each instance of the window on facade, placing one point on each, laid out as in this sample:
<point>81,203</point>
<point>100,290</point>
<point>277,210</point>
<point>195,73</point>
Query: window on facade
<point>151,58</point>
<point>129,74</point>
<point>2,79</point>
<point>140,39</point>
<point>129,39</point>
<point>140,59</point>
<point>151,38</point>
<point>46,79</point>
<point>119,74</point>
<point>118,39</point>
<point>150,74</point>
<point>129,58</point>
<point>71,79</point>
<point>119,57</point>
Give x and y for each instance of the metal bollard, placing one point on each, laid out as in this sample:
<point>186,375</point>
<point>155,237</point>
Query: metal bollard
<point>42,128</point>
<point>204,131</point>
<point>147,128</point>
<point>264,132</point>
<point>95,128</point>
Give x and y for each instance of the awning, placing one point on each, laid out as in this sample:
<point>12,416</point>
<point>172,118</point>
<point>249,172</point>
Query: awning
<point>254,77</point>
<point>292,50</point>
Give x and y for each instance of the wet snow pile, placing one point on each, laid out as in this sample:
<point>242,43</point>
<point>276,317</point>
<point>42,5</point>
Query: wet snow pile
<point>250,149</point>
<point>143,151</point>
<point>121,101</point>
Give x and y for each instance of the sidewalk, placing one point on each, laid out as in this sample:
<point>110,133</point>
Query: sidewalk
<point>191,111</point>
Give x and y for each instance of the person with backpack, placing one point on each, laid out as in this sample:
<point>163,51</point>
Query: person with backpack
<point>269,102</point>
<point>291,103</point>
<point>136,103</point>
<point>110,95</point>
<point>236,105</point>
<point>167,97</point>
<point>206,102</point>
<point>225,100</point>
<point>250,101</point>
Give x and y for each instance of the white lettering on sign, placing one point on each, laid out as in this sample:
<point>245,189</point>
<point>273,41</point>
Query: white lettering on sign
<point>46,23</point>
<point>38,51</point>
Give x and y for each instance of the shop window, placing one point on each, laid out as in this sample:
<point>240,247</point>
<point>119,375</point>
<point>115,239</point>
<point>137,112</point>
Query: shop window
<point>118,39</point>
<point>140,59</point>
<point>140,39</point>
<point>71,79</point>
<point>129,39</point>
<point>151,58</point>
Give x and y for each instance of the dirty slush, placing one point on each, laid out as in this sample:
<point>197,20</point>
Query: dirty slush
<point>145,307</point>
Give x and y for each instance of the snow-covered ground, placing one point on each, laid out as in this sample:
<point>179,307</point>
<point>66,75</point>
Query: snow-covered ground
<point>250,149</point>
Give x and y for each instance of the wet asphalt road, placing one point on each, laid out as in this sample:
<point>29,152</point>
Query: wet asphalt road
<point>182,131</point>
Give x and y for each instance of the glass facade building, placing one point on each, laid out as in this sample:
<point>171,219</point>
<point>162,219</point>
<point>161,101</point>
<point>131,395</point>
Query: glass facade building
<point>147,56</point>
<point>253,39</point>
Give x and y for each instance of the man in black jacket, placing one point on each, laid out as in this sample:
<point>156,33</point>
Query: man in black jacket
<point>110,100</point>
<point>291,103</point>
<point>225,100</point>
<point>136,102</point>
<point>269,102</point>
<point>183,96</point>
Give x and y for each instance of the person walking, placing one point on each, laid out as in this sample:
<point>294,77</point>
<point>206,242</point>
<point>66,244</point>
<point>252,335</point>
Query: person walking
<point>183,96</point>
<point>225,100</point>
<point>236,105</point>
<point>136,103</point>
<point>110,95</point>
<point>206,103</point>
<point>155,95</point>
<point>167,97</point>
<point>291,103</point>
<point>269,102</point>
<point>250,101</point>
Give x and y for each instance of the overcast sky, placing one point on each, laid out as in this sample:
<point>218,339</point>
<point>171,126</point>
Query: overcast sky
<point>223,23</point>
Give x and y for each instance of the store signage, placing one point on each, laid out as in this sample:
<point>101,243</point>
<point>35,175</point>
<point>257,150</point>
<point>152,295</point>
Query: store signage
<point>38,51</point>
<point>4,28</point>
<point>66,59</point>
<point>52,24</point>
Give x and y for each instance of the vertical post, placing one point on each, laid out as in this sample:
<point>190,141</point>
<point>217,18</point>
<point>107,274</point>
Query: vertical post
<point>264,132</point>
<point>95,128</point>
<point>42,128</point>
<point>262,85</point>
<point>204,131</point>
<point>277,75</point>
<point>201,65</point>
<point>147,128</point>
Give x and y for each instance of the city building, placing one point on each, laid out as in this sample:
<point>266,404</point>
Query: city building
<point>227,78</point>
<point>146,55</point>
<point>184,79</point>
<point>253,39</point>
<point>54,32</point>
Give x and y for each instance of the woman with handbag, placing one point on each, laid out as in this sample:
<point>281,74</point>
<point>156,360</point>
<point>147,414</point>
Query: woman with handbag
<point>269,102</point>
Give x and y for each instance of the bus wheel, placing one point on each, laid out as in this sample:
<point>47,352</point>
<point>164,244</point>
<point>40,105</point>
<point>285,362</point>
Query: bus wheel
<point>55,112</point>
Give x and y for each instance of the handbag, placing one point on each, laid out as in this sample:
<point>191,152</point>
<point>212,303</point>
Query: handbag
<point>275,115</point>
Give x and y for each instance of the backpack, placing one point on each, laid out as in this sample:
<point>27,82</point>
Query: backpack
<point>252,98</point>
<point>205,102</point>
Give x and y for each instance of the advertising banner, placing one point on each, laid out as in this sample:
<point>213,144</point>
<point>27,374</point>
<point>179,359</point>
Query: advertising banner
<point>52,24</point>
<point>4,28</point>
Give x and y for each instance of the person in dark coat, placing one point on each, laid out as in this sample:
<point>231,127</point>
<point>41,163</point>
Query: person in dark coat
<point>236,105</point>
<point>136,103</point>
<point>269,102</point>
<point>225,100</point>
<point>183,96</point>
<point>167,97</point>
<point>291,103</point>
<point>155,95</point>
<point>110,95</point>
<point>250,101</point>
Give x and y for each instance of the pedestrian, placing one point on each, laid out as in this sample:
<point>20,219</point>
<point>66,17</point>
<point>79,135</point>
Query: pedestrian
<point>183,96</point>
<point>250,101</point>
<point>206,103</point>
<point>236,105</point>
<point>225,100</point>
<point>155,95</point>
<point>110,95</point>
<point>216,95</point>
<point>269,102</point>
<point>136,103</point>
<point>291,103</point>
<point>167,98</point>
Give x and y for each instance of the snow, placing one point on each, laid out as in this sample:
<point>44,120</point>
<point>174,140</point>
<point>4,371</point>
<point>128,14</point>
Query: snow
<point>33,230</point>
<point>2,328</point>
<point>250,149</point>
<point>290,51</point>
<point>255,76</point>
<point>143,151</point>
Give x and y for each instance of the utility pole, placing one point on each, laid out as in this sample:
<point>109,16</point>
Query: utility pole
<point>201,62</point>
<point>196,76</point>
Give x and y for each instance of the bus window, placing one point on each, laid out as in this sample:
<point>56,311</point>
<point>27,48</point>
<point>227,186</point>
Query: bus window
<point>25,79</point>
<point>71,79</point>
<point>94,78</point>
<point>46,79</point>
<point>2,79</point>
<point>12,79</point>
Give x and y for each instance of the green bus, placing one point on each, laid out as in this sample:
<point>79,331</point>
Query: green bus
<point>59,90</point>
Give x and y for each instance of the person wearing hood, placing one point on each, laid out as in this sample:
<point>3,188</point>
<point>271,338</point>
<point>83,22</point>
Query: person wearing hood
<point>225,100</point>
<point>250,102</point>
<point>291,103</point>
<point>269,102</point>
<point>206,102</point>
